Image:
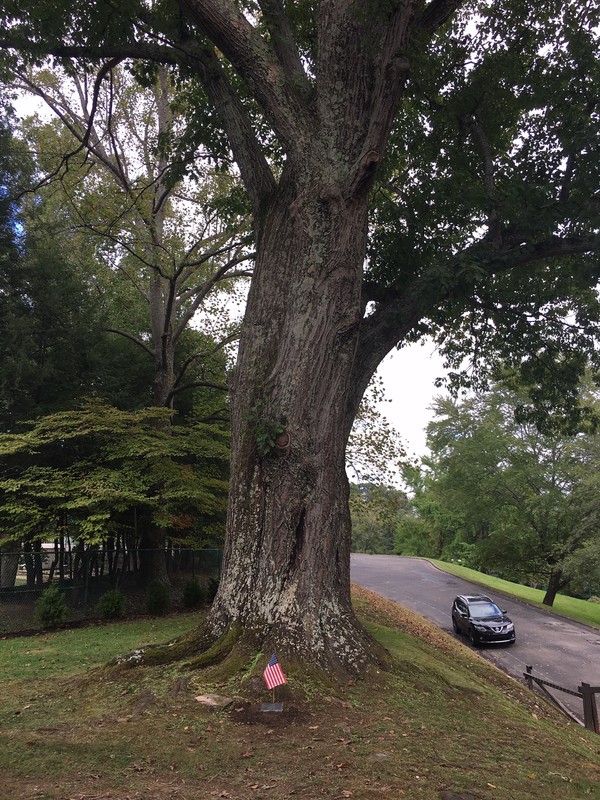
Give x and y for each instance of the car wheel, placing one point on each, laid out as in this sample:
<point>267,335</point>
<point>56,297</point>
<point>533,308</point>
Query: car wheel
<point>473,639</point>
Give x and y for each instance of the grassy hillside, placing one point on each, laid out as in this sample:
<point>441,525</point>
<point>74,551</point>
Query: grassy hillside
<point>572,607</point>
<point>445,725</point>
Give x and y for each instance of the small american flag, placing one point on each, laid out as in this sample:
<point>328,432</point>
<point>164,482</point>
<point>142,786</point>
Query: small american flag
<point>273,673</point>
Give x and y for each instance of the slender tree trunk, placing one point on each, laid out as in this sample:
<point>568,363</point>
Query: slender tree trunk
<point>154,568</point>
<point>9,564</point>
<point>555,584</point>
<point>286,563</point>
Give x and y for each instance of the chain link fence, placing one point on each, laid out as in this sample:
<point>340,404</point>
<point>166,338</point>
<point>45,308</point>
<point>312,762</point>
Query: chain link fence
<point>83,577</point>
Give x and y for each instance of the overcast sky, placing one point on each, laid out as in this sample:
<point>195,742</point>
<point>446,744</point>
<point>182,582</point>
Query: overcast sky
<point>408,375</point>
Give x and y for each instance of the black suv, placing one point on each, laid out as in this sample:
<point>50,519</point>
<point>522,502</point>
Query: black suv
<point>479,618</point>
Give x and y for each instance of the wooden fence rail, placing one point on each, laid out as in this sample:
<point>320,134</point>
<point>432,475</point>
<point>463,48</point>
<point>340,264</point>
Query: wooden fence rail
<point>585,692</point>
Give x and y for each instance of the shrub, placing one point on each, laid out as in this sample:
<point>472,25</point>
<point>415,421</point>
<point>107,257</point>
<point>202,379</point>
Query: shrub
<point>158,598</point>
<point>193,594</point>
<point>111,605</point>
<point>51,608</point>
<point>211,589</point>
<point>593,599</point>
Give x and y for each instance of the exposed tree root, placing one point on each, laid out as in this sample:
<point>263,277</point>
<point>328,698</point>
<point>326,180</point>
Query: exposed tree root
<point>240,653</point>
<point>198,640</point>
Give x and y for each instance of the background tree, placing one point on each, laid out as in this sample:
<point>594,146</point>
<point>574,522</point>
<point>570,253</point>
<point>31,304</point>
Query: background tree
<point>153,225</point>
<point>150,222</point>
<point>54,349</point>
<point>99,474</point>
<point>376,512</point>
<point>428,528</point>
<point>520,500</point>
<point>486,131</point>
<point>58,351</point>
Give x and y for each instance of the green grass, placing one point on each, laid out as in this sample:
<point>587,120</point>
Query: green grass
<point>69,652</point>
<point>580,610</point>
<point>441,723</point>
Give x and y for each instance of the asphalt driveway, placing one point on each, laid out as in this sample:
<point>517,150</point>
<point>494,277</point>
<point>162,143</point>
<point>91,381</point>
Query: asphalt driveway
<point>559,650</point>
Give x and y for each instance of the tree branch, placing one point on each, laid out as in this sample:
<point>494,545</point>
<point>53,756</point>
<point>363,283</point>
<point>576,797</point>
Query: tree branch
<point>517,255</point>
<point>437,13</point>
<point>131,338</point>
<point>282,40</point>
<point>194,385</point>
<point>398,312</point>
<point>247,152</point>
<point>204,289</point>
<point>254,60</point>
<point>202,62</point>
<point>197,356</point>
<point>482,142</point>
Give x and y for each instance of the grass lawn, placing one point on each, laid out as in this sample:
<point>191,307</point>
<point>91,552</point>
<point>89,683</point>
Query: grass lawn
<point>580,610</point>
<point>443,725</point>
<point>68,652</point>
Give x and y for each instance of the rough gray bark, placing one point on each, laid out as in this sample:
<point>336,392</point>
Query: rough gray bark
<point>287,557</point>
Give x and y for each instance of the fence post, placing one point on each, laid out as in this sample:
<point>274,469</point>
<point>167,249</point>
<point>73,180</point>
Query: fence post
<point>85,560</point>
<point>528,678</point>
<point>590,712</point>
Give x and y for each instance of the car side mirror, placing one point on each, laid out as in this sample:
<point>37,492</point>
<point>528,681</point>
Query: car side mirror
<point>504,611</point>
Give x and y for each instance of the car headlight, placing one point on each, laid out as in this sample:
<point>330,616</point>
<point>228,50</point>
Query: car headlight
<point>481,628</point>
<point>510,627</point>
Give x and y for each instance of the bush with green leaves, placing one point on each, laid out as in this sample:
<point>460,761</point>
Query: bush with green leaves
<point>194,594</point>
<point>111,605</point>
<point>158,598</point>
<point>51,608</point>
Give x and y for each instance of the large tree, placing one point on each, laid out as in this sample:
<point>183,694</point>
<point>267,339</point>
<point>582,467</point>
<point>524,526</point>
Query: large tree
<point>524,503</point>
<point>111,161</point>
<point>481,136</point>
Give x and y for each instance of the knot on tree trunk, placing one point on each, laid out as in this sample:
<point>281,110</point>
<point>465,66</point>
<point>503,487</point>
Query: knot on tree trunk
<point>365,172</point>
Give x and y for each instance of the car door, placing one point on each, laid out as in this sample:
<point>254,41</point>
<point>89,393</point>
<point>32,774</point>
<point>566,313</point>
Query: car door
<point>462,616</point>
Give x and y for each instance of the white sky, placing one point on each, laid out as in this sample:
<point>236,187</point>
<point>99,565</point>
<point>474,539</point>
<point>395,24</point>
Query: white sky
<point>408,376</point>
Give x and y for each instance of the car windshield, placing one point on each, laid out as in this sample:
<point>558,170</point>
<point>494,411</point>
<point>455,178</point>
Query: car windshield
<point>485,610</point>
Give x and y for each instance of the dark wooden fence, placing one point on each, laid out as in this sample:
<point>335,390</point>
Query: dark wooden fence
<point>585,692</point>
<point>84,576</point>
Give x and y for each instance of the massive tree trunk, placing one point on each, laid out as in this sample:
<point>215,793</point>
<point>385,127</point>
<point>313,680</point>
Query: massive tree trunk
<point>286,566</point>
<point>306,350</point>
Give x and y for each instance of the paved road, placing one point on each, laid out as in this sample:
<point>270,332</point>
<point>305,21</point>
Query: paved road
<point>559,650</point>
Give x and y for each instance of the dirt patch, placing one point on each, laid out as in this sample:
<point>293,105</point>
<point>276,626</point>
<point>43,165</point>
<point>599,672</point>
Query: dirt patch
<point>252,714</point>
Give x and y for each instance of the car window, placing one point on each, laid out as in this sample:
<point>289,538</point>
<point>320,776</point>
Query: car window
<point>485,610</point>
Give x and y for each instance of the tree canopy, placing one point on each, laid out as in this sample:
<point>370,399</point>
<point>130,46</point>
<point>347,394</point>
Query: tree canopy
<point>503,496</point>
<point>84,472</point>
<point>154,230</point>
